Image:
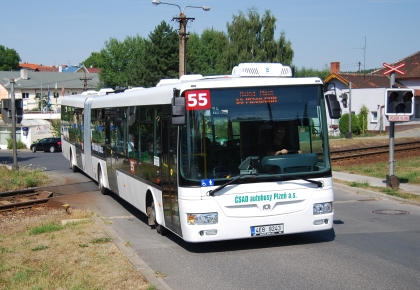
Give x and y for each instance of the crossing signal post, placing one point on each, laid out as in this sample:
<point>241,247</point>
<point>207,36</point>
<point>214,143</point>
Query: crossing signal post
<point>397,108</point>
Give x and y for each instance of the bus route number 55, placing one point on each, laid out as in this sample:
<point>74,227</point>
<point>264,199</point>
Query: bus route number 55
<point>198,100</point>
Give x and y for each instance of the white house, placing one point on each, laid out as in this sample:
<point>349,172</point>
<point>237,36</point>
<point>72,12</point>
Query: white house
<point>369,91</point>
<point>29,87</point>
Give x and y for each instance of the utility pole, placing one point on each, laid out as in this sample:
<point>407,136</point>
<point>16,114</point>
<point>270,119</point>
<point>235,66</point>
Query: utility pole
<point>85,79</point>
<point>12,93</point>
<point>40,99</point>
<point>349,133</point>
<point>183,37</point>
<point>364,59</point>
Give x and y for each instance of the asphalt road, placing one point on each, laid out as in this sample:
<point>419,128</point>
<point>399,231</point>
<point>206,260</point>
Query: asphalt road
<point>366,249</point>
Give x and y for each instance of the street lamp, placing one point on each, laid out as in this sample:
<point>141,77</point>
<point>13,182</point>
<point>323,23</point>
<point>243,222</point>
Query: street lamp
<point>183,37</point>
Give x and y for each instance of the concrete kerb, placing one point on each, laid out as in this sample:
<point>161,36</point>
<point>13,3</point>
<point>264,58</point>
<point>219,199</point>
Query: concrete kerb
<point>373,194</point>
<point>137,262</point>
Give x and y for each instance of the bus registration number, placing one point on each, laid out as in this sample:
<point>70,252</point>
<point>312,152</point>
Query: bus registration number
<point>267,230</point>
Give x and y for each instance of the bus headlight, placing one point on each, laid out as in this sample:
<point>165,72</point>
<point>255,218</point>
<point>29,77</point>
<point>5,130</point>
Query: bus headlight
<point>321,208</point>
<point>202,218</point>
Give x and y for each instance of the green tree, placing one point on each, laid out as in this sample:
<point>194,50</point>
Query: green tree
<point>121,63</point>
<point>161,58</point>
<point>9,59</point>
<point>203,52</point>
<point>94,60</point>
<point>309,72</point>
<point>284,52</point>
<point>251,39</point>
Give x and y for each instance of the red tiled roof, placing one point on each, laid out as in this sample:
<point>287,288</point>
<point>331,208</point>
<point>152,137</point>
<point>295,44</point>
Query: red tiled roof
<point>37,67</point>
<point>94,70</point>
<point>362,81</point>
<point>47,69</point>
<point>411,68</point>
<point>29,65</point>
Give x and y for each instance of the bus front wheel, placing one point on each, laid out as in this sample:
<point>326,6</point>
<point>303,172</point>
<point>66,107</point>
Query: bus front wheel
<point>152,217</point>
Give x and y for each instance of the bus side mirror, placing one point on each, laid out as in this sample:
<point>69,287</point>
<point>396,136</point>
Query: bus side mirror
<point>178,111</point>
<point>333,105</point>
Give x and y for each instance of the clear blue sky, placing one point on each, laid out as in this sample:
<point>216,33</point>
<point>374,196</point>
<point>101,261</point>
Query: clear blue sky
<point>53,32</point>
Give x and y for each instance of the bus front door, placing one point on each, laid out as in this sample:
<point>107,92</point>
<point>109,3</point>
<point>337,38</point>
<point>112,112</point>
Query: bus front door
<point>169,176</point>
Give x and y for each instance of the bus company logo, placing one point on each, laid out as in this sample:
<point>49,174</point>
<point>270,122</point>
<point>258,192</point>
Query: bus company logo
<point>267,69</point>
<point>266,207</point>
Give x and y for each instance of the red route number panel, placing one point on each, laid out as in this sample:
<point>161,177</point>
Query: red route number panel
<point>198,100</point>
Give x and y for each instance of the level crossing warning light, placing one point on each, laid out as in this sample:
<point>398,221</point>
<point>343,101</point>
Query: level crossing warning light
<point>399,104</point>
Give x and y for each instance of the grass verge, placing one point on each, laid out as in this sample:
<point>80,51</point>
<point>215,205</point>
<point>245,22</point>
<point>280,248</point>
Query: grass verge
<point>407,170</point>
<point>25,177</point>
<point>38,252</point>
<point>389,191</point>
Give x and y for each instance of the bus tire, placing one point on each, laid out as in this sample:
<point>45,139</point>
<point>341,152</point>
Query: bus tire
<point>161,230</point>
<point>72,166</point>
<point>101,185</point>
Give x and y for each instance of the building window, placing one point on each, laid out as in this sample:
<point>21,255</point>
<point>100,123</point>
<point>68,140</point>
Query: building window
<point>374,116</point>
<point>25,95</point>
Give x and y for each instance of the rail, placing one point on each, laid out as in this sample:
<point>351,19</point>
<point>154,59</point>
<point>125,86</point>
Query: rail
<point>373,153</point>
<point>23,199</point>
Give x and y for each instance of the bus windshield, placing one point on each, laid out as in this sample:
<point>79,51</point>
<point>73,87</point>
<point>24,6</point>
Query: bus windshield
<point>262,131</point>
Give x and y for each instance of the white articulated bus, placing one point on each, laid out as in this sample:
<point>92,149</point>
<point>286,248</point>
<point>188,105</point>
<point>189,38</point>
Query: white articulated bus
<point>190,154</point>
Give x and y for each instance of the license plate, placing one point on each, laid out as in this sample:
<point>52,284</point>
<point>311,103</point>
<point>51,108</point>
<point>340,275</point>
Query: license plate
<point>267,230</point>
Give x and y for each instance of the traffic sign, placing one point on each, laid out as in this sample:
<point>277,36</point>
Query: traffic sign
<point>393,68</point>
<point>396,118</point>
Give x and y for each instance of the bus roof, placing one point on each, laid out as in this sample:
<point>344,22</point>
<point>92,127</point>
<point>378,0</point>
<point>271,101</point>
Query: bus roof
<point>243,76</point>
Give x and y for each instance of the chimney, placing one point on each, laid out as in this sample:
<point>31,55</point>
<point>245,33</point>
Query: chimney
<point>335,67</point>
<point>24,74</point>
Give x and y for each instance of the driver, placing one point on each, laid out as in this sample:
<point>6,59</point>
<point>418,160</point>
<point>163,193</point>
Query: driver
<point>279,144</point>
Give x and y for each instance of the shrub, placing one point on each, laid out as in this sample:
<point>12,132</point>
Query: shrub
<point>19,144</point>
<point>344,124</point>
<point>363,118</point>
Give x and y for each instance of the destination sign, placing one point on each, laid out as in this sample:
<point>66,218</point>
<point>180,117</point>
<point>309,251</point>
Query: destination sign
<point>256,97</point>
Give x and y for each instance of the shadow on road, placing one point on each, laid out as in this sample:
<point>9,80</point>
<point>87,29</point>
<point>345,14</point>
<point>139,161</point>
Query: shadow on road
<point>240,244</point>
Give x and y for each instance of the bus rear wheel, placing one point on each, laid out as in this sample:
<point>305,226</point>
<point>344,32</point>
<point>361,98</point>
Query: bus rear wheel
<point>101,185</point>
<point>72,166</point>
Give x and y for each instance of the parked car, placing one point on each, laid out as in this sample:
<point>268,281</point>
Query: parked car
<point>47,145</point>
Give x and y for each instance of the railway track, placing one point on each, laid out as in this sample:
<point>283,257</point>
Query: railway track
<point>23,199</point>
<point>374,153</point>
<point>28,198</point>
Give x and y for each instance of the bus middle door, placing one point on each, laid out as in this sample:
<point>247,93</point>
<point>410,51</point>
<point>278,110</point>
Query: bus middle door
<point>111,153</point>
<point>169,175</point>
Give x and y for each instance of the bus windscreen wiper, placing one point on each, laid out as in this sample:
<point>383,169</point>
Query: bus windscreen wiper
<point>319,183</point>
<point>212,192</point>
